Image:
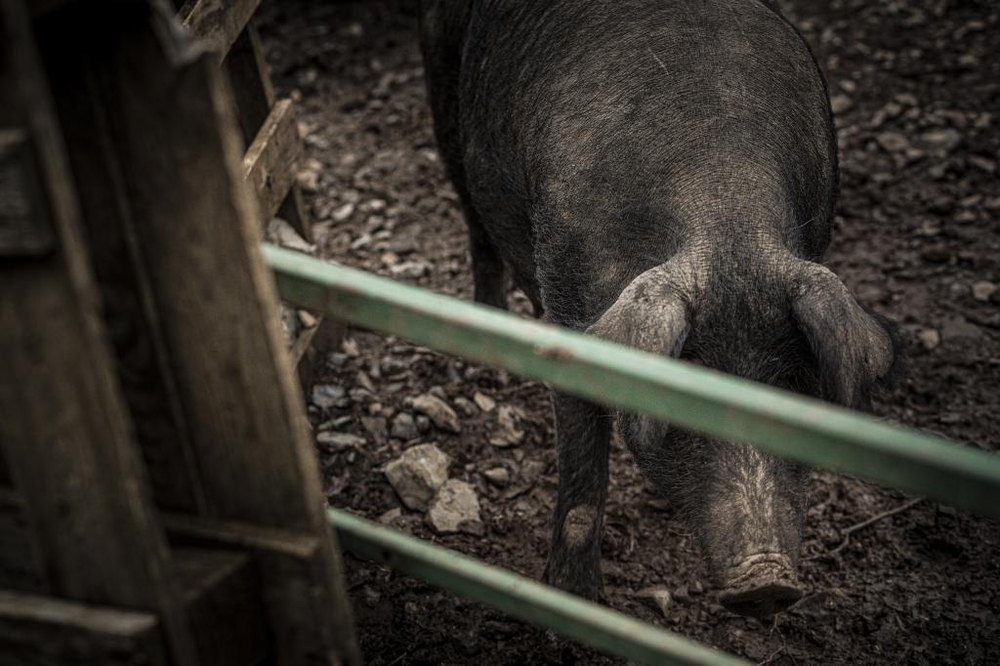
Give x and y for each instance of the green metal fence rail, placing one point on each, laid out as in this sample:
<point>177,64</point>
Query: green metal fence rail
<point>602,628</point>
<point>779,422</point>
<point>696,398</point>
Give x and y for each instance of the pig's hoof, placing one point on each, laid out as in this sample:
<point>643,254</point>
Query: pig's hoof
<point>581,582</point>
<point>761,586</point>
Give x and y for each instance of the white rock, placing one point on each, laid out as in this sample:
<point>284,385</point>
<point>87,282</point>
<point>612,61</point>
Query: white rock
<point>466,406</point>
<point>942,141</point>
<point>343,212</point>
<point>410,269</point>
<point>404,427</point>
<point>658,595</point>
<point>282,233</point>
<point>438,411</point>
<point>929,338</point>
<point>326,396</point>
<point>455,509</point>
<point>390,516</point>
<point>364,240</point>
<point>485,402</point>
<point>418,474</point>
<point>307,319</point>
<point>983,290</point>
<point>508,434</point>
<point>892,142</point>
<point>983,163</point>
<point>841,103</point>
<point>498,476</point>
<point>339,441</point>
<point>308,175</point>
<point>364,381</point>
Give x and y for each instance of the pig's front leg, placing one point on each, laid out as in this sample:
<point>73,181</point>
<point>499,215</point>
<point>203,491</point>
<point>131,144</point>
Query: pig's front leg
<point>583,436</point>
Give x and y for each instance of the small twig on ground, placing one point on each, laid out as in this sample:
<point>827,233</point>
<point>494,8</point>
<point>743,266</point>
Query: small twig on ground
<point>774,655</point>
<point>783,649</point>
<point>847,532</point>
<point>399,658</point>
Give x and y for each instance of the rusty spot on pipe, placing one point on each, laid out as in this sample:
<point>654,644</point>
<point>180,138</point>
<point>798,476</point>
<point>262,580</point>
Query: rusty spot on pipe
<point>554,353</point>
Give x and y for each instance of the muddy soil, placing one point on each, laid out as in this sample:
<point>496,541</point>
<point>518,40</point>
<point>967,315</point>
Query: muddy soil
<point>916,89</point>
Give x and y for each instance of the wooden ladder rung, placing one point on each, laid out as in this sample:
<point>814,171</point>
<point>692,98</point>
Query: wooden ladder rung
<point>313,342</point>
<point>290,562</point>
<point>217,23</point>
<point>301,344</point>
<point>45,630</point>
<point>221,594</point>
<point>271,159</point>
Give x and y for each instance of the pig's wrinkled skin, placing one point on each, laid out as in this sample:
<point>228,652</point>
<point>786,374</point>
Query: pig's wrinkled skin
<point>661,173</point>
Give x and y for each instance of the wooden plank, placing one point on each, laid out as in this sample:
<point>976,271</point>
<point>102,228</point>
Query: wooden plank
<point>64,429</point>
<point>302,343</point>
<point>310,349</point>
<point>222,597</point>
<point>40,7</point>
<point>44,631</point>
<point>252,89</point>
<point>293,209</point>
<point>20,561</point>
<point>270,161</point>
<point>254,97</point>
<point>217,23</point>
<point>126,298</point>
<point>216,301</point>
<point>289,562</point>
<point>25,227</point>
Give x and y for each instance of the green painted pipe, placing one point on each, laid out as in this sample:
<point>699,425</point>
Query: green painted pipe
<point>602,628</point>
<point>697,398</point>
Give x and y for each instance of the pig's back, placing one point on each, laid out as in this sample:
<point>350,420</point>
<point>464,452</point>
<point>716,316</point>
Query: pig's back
<point>624,129</point>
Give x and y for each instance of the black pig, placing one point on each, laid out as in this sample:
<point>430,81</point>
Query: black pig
<point>661,173</point>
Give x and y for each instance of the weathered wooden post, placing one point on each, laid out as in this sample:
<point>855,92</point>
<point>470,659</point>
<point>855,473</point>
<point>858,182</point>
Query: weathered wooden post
<point>270,133</point>
<point>157,466</point>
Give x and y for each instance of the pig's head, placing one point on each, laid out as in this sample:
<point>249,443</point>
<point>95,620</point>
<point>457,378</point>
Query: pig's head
<point>793,325</point>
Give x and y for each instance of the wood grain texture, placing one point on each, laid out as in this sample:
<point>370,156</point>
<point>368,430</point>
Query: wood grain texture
<point>224,603</point>
<point>20,560</point>
<point>251,85</point>
<point>270,161</point>
<point>165,154</point>
<point>217,23</point>
<point>216,300</point>
<point>290,563</point>
<point>64,428</point>
<point>73,59</point>
<point>310,350</point>
<point>254,97</point>
<point>25,224</point>
<point>43,631</point>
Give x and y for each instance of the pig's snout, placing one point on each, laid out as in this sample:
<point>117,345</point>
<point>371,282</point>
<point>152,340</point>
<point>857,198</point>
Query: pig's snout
<point>760,585</point>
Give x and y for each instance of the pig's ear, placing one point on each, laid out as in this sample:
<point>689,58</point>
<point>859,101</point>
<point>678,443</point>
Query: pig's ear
<point>856,350</point>
<point>650,314</point>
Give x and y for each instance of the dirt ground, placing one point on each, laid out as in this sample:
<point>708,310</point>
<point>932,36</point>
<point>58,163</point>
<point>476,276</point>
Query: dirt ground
<point>916,88</point>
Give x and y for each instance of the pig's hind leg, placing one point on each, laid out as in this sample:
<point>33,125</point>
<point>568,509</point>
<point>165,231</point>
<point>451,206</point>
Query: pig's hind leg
<point>443,24</point>
<point>487,266</point>
<point>583,438</point>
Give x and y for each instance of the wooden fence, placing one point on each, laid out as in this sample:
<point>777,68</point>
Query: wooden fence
<point>160,500</point>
